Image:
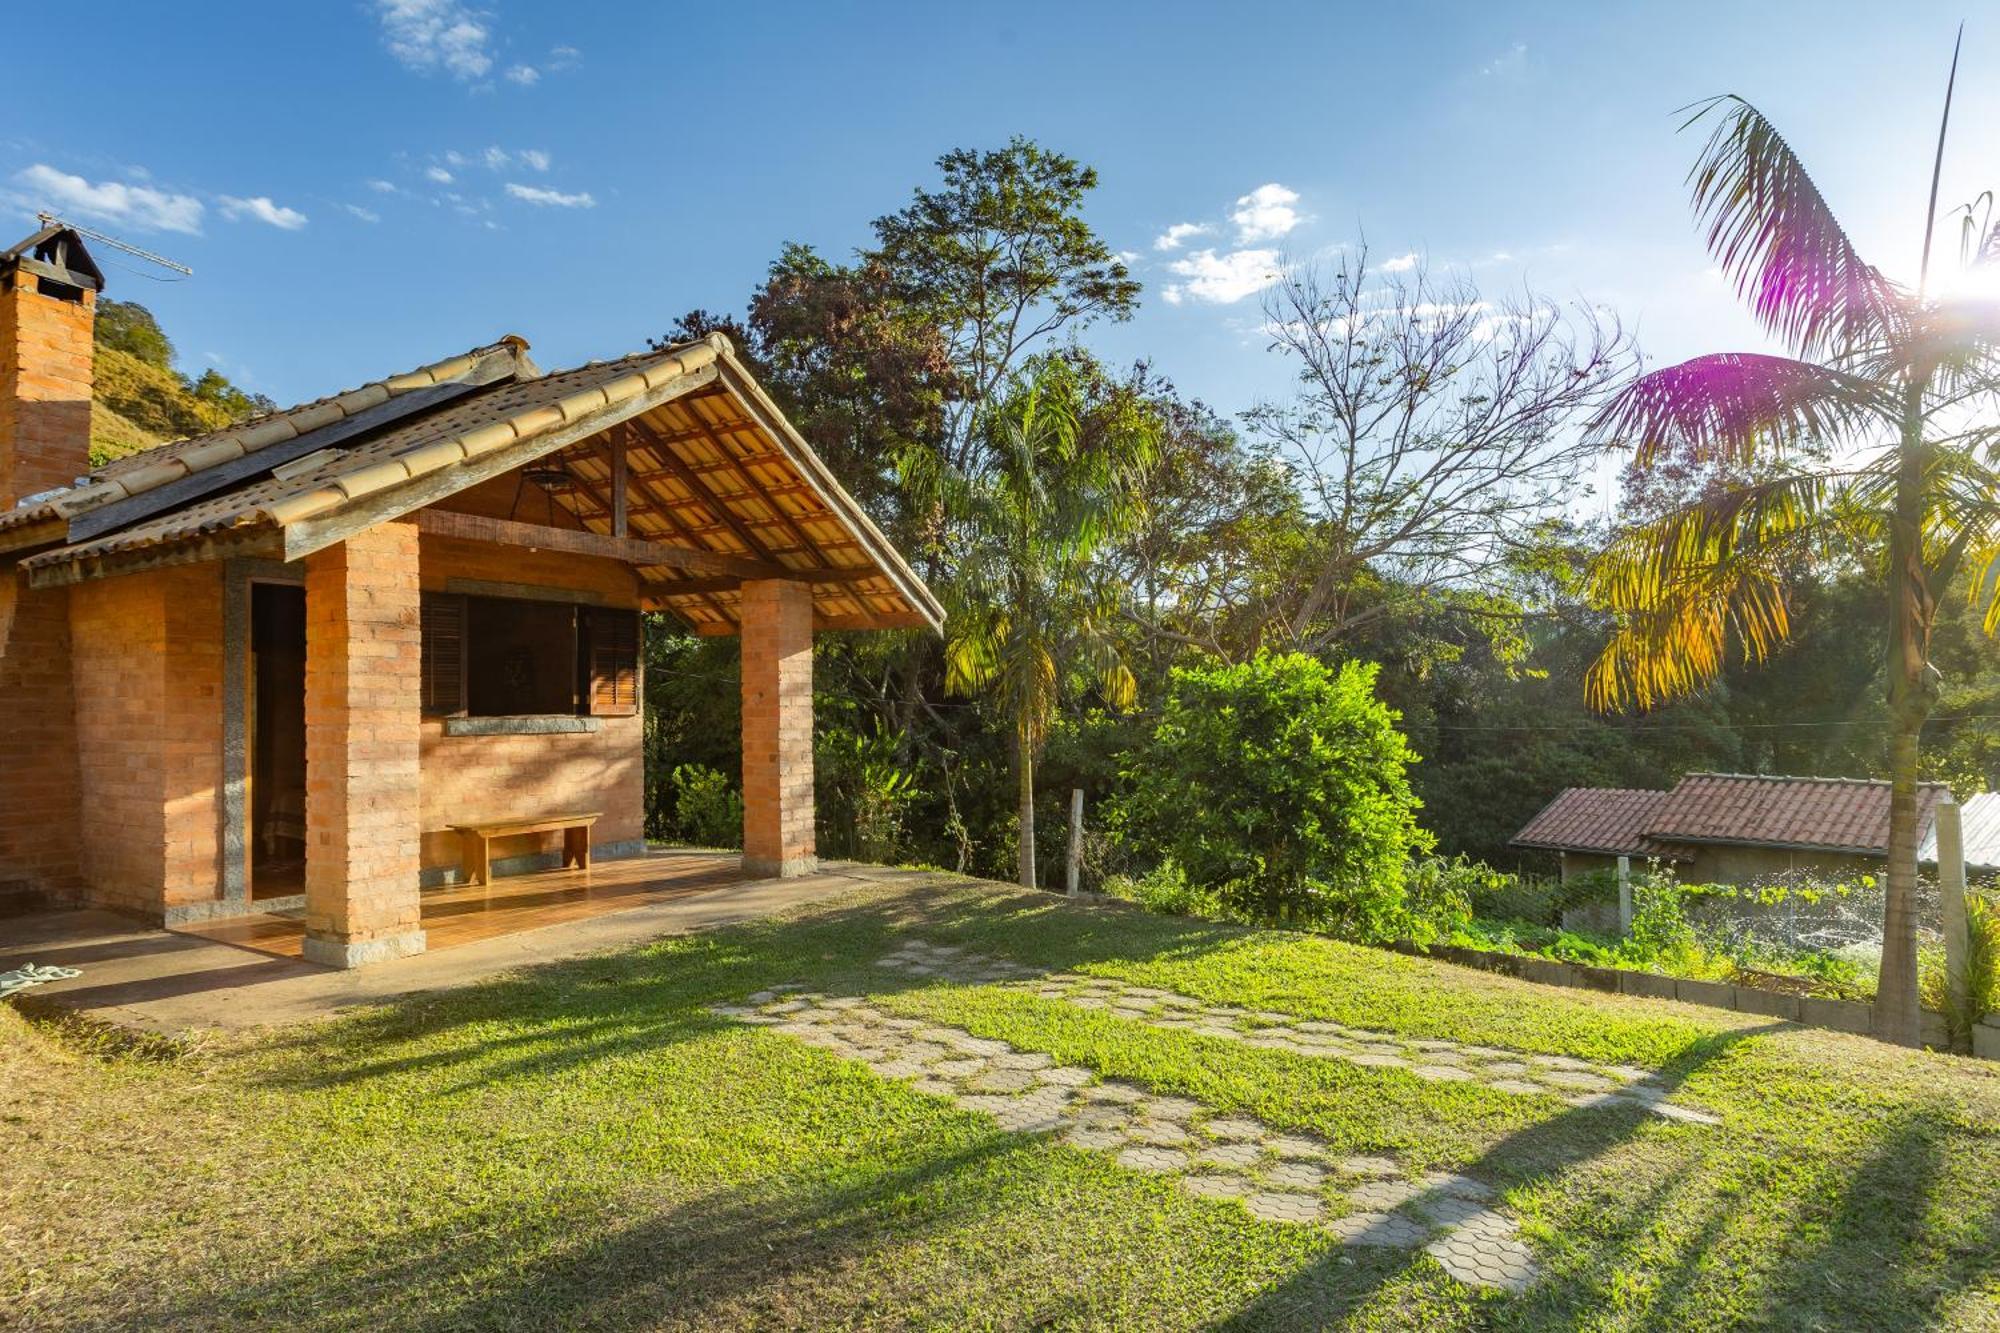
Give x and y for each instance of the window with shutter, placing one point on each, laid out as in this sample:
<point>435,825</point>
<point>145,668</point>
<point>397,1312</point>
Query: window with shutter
<point>612,638</point>
<point>444,654</point>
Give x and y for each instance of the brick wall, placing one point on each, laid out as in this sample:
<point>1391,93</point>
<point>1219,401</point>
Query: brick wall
<point>777,728</point>
<point>45,374</point>
<point>147,683</point>
<point>363,697</point>
<point>467,779</point>
<point>39,847</point>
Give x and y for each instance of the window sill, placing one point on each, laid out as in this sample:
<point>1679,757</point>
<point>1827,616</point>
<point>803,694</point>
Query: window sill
<point>532,724</point>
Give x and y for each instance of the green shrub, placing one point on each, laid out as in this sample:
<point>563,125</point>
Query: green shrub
<point>710,814</point>
<point>1279,786</point>
<point>1978,991</point>
<point>1164,889</point>
<point>864,791</point>
<point>1439,894</point>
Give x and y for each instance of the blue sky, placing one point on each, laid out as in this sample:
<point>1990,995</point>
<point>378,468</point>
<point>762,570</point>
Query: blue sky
<point>363,186</point>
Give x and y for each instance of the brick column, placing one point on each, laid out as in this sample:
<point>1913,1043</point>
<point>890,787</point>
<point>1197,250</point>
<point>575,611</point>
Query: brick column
<point>777,728</point>
<point>363,706</point>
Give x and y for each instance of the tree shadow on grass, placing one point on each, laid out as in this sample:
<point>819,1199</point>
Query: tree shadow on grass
<point>735,1256</point>
<point>1534,1154</point>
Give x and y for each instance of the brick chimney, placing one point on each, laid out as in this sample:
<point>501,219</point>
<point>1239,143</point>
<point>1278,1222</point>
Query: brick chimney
<point>48,302</point>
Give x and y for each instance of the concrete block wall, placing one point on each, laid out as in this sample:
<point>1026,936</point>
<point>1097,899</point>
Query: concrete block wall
<point>363,696</point>
<point>777,728</point>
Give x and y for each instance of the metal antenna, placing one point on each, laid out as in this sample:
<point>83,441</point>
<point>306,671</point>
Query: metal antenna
<point>51,220</point>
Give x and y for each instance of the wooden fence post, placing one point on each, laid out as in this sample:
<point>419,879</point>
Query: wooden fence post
<point>1624,896</point>
<point>1075,840</point>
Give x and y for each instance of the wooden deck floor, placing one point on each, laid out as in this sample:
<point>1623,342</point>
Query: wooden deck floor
<point>454,916</point>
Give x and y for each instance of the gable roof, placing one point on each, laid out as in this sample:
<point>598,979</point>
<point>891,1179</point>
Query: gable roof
<point>714,465</point>
<point>1607,820</point>
<point>1846,815</point>
<point>1818,814</point>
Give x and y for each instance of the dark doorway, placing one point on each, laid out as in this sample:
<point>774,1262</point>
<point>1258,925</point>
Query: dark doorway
<point>277,740</point>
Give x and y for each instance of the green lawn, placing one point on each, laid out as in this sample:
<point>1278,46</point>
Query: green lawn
<point>588,1146</point>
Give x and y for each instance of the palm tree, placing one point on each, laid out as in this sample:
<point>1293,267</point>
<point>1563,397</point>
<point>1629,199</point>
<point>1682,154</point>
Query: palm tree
<point>1030,603</point>
<point>1871,442</point>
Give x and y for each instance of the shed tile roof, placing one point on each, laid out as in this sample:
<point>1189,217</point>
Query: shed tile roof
<point>1607,820</point>
<point>1814,814</point>
<point>1825,814</point>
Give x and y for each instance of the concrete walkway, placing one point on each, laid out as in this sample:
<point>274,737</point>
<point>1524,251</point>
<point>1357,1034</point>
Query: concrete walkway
<point>165,982</point>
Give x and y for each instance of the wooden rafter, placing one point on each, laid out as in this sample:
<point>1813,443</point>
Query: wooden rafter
<point>582,541</point>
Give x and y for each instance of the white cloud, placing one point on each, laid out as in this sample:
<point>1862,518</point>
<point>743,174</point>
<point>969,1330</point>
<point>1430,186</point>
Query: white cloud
<point>1265,213</point>
<point>139,206</point>
<point>427,35</point>
<point>263,210</point>
<point>365,214</point>
<point>383,187</point>
<point>1401,263</point>
<point>525,75</point>
<point>1171,238</point>
<point>534,159</point>
<point>1511,63</point>
<point>438,174</point>
<point>495,158</point>
<point>1222,279</point>
<point>564,57</point>
<point>549,198</point>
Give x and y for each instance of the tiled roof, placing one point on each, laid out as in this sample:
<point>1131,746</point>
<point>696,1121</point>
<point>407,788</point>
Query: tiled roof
<point>1607,820</point>
<point>1826,814</point>
<point>1818,814</point>
<point>718,468</point>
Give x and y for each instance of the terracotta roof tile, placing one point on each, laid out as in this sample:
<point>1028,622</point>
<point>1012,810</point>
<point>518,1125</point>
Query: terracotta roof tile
<point>1608,820</point>
<point>1832,814</point>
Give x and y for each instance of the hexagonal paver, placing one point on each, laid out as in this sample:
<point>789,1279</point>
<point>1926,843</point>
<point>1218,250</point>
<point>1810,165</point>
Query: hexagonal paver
<point>1023,1060</point>
<point>1002,1080</point>
<point>1373,1168</point>
<point>1275,1207</point>
<point>1064,1076</point>
<point>1296,1176</point>
<point>1163,1132</point>
<point>1570,1078</point>
<point>1112,1090</point>
<point>1380,1195</point>
<point>1293,1145</point>
<point>1093,1137</point>
<point>1442,1073</point>
<point>1217,1187</point>
<point>1376,1060</point>
<point>1230,1154</point>
<point>1152,1159</point>
<point>1387,1230</point>
<point>1169,1108</point>
<point>1515,1085</point>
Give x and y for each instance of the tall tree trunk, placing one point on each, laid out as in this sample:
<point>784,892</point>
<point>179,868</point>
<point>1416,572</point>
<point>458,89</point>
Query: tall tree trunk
<point>1912,607</point>
<point>1024,767</point>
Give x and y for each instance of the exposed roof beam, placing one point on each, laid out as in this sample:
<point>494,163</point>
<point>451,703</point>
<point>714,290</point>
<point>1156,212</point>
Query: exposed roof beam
<point>577,541</point>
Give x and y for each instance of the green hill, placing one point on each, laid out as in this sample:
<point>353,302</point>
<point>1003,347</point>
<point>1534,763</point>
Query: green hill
<point>140,400</point>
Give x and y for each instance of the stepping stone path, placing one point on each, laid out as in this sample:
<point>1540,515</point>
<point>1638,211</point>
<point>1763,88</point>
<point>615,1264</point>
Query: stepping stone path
<point>1577,1082</point>
<point>1286,1179</point>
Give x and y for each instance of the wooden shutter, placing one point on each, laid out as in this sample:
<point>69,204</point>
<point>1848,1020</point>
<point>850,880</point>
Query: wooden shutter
<point>612,651</point>
<point>444,654</point>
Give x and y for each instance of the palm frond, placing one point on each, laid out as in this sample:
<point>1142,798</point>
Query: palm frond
<point>1774,235</point>
<point>1730,406</point>
<point>1683,586</point>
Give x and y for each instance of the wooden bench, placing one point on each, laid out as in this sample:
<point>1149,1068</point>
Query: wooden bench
<point>475,841</point>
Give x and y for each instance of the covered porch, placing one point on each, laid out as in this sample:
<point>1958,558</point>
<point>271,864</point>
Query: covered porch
<point>458,915</point>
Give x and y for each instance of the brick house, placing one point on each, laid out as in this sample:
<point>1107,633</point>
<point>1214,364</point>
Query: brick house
<point>1732,828</point>
<point>276,665</point>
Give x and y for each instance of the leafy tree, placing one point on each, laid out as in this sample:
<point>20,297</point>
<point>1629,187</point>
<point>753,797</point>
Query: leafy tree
<point>132,329</point>
<point>997,259</point>
<point>1429,435</point>
<point>1029,601</point>
<point>1282,785</point>
<point>1894,379</point>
